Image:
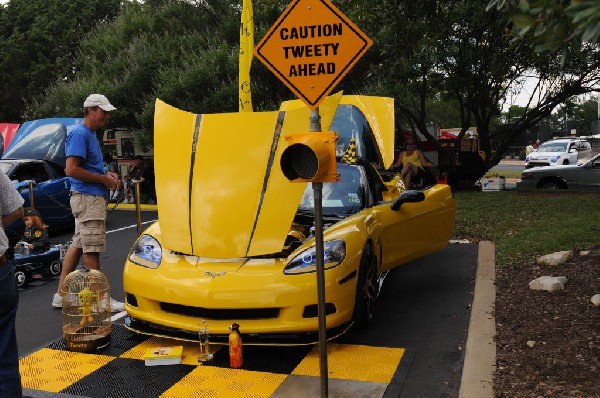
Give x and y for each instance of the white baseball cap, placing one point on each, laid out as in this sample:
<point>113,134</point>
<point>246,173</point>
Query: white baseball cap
<point>98,100</point>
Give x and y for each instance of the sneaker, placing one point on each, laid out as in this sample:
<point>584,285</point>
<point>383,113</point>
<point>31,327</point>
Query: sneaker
<point>115,306</point>
<point>57,300</point>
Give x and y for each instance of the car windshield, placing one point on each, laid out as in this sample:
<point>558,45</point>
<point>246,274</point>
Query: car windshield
<point>342,198</point>
<point>553,147</point>
<point>6,167</point>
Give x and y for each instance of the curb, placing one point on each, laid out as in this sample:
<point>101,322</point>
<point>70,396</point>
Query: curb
<point>131,206</point>
<point>480,352</point>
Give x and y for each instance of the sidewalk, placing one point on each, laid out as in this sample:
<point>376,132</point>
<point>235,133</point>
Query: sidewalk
<point>480,353</point>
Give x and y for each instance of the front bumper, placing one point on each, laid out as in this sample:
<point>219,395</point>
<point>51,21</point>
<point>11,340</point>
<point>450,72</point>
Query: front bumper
<point>174,298</point>
<point>532,164</point>
<point>526,184</point>
<point>271,339</point>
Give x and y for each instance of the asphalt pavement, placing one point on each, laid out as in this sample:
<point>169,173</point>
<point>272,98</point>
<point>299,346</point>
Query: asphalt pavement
<point>37,322</point>
<point>424,308</point>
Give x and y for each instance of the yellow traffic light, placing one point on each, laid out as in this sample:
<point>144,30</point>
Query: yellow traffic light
<point>310,157</point>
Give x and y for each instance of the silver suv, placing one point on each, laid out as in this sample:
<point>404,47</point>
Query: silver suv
<point>560,151</point>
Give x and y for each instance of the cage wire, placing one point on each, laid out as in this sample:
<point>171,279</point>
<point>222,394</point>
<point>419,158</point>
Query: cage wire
<point>86,316</point>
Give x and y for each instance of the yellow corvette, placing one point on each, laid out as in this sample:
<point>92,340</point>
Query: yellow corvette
<point>235,239</point>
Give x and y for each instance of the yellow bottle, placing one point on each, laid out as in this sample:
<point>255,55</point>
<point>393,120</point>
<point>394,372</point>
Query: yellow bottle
<point>236,358</point>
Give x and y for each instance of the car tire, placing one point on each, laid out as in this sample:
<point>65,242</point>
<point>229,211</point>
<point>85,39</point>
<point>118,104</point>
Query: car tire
<point>21,278</point>
<point>55,268</point>
<point>566,162</point>
<point>553,184</point>
<point>367,290</point>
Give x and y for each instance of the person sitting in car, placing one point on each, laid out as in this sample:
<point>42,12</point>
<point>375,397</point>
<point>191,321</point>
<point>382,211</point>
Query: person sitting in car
<point>36,231</point>
<point>411,161</point>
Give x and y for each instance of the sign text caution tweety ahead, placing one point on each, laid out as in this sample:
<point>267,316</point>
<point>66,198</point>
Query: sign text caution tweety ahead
<point>311,47</point>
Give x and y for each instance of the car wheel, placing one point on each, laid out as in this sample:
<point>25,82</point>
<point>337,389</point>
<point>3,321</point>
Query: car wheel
<point>367,289</point>
<point>566,162</point>
<point>55,268</point>
<point>21,278</point>
<point>552,184</point>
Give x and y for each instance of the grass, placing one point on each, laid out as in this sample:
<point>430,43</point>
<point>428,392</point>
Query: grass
<point>525,225</point>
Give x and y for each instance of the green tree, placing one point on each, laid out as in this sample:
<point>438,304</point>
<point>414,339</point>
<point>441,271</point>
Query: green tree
<point>451,63</point>
<point>552,24</point>
<point>38,45</point>
<point>588,111</point>
<point>463,50</point>
<point>174,50</point>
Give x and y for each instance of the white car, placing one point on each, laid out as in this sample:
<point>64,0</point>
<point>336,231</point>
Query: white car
<point>561,151</point>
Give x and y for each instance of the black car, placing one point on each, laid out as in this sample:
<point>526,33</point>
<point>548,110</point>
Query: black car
<point>581,176</point>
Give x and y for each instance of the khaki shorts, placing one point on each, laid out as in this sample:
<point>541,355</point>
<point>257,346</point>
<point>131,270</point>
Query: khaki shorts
<point>90,222</point>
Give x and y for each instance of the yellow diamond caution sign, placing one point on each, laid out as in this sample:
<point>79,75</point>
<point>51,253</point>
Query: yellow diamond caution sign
<point>311,47</point>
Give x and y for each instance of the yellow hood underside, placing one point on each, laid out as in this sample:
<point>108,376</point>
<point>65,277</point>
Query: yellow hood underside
<point>220,189</point>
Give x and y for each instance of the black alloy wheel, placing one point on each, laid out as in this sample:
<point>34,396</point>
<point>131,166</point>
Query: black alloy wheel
<point>21,278</point>
<point>367,289</point>
<point>55,268</point>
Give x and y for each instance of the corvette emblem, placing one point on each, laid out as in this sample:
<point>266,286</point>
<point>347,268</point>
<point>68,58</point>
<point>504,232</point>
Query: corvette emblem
<point>213,275</point>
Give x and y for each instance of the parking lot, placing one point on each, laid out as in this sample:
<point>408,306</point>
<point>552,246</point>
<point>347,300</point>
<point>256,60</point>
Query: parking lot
<point>415,347</point>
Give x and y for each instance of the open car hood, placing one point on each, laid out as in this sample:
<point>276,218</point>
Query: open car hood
<point>221,192</point>
<point>42,139</point>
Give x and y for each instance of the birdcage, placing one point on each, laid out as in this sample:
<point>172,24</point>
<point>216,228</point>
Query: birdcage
<point>86,316</point>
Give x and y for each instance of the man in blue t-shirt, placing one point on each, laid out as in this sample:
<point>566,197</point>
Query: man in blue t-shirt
<point>90,184</point>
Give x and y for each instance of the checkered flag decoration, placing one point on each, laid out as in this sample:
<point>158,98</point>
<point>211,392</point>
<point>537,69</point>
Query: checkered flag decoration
<point>350,155</point>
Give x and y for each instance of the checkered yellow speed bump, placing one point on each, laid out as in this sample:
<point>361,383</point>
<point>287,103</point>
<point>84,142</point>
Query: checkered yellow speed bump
<point>51,370</point>
<point>354,362</point>
<point>208,381</point>
<point>119,369</point>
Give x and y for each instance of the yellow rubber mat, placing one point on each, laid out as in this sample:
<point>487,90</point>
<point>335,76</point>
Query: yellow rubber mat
<point>354,362</point>
<point>121,367</point>
<point>207,381</point>
<point>52,370</point>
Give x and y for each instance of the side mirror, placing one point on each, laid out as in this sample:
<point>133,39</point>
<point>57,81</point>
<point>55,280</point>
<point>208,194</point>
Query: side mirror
<point>411,196</point>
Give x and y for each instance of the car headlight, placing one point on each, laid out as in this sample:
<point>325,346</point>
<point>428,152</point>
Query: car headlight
<point>554,159</point>
<point>334,253</point>
<point>526,176</point>
<point>146,252</point>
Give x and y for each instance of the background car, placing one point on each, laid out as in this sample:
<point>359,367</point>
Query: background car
<point>582,176</point>
<point>560,151</point>
<point>36,154</point>
<point>235,239</point>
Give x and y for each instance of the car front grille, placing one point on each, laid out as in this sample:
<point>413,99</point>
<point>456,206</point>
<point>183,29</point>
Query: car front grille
<point>537,164</point>
<point>220,314</point>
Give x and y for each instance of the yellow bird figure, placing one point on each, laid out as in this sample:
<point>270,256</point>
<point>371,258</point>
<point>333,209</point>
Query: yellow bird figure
<point>86,297</point>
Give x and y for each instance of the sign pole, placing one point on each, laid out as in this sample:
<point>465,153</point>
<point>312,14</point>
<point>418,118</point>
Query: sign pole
<point>311,59</point>
<point>315,126</point>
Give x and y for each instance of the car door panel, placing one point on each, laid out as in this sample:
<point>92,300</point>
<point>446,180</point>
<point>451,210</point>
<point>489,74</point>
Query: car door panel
<point>416,229</point>
<point>589,177</point>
